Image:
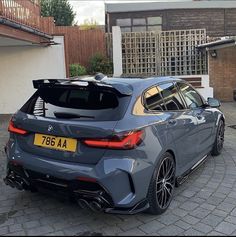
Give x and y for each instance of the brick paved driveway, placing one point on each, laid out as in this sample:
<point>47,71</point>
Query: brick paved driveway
<point>204,205</point>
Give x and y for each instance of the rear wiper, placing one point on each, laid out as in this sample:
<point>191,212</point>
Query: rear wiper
<point>71,115</point>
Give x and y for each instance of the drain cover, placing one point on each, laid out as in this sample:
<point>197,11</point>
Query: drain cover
<point>232,126</point>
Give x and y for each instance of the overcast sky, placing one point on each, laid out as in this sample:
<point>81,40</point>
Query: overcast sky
<point>87,9</point>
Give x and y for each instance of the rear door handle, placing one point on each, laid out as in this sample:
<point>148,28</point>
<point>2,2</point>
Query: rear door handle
<point>172,122</point>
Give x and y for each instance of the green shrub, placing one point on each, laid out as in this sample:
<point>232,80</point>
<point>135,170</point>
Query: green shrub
<point>73,70</point>
<point>99,63</point>
<point>77,70</point>
<point>81,70</point>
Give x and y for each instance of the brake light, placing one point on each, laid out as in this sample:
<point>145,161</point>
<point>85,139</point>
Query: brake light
<point>13,129</point>
<point>120,141</point>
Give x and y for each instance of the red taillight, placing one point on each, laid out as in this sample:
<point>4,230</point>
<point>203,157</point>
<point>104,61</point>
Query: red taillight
<point>127,141</point>
<point>13,129</point>
<point>86,179</point>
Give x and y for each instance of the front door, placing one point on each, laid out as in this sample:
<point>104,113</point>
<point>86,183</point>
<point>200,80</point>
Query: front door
<point>205,119</point>
<point>182,124</point>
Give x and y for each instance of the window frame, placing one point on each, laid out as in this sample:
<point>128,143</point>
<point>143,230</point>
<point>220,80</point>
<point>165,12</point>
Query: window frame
<point>182,95</point>
<point>177,89</point>
<point>132,25</point>
<point>143,101</point>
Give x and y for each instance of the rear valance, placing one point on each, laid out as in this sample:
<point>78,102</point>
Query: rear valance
<point>122,89</point>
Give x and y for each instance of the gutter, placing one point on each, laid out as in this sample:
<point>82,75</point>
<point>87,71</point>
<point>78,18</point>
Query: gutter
<point>217,44</point>
<point>24,28</point>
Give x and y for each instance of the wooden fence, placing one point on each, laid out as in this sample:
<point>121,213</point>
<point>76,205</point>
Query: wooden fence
<point>82,44</point>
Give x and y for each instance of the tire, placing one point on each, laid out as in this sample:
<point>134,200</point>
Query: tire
<point>161,188</point>
<point>219,140</point>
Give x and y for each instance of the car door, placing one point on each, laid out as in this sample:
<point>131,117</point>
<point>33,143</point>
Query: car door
<point>182,126</point>
<point>205,118</point>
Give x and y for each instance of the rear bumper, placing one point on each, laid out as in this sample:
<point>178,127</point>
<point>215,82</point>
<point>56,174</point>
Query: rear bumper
<point>112,182</point>
<point>90,194</point>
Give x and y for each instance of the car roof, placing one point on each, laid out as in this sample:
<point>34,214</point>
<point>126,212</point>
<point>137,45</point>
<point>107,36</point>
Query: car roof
<point>140,82</point>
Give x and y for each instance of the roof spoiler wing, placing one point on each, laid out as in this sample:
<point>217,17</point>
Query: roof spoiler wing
<point>122,89</point>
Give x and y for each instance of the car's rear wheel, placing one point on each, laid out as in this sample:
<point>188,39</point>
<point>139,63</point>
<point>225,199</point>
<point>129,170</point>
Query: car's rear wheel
<point>162,185</point>
<point>219,141</point>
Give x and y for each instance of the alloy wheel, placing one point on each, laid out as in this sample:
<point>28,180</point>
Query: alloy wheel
<point>220,137</point>
<point>165,182</point>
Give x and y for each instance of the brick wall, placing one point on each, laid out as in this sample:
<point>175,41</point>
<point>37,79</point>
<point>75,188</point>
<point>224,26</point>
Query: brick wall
<point>217,22</point>
<point>222,72</point>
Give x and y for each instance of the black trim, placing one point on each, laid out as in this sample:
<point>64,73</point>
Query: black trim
<point>122,89</point>
<point>182,178</point>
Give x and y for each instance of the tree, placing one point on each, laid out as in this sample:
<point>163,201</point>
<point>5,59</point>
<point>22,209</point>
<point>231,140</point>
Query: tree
<point>61,10</point>
<point>89,24</point>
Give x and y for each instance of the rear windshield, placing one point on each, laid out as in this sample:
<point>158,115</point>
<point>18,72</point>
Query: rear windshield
<point>77,103</point>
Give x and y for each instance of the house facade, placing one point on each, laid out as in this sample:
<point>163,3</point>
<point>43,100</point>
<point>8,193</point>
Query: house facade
<point>29,50</point>
<point>217,17</point>
<point>222,67</point>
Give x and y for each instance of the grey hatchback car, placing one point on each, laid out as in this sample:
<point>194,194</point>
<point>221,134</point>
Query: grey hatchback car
<point>116,145</point>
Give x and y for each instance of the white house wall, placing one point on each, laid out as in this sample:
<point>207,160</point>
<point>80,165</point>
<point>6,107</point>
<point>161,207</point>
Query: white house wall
<point>19,65</point>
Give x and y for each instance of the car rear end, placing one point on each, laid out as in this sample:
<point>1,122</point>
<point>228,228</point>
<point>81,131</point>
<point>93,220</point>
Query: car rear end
<point>59,140</point>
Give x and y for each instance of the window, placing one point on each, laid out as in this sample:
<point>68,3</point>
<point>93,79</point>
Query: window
<point>139,28</point>
<point>140,24</point>
<point>125,29</point>
<point>171,97</point>
<point>192,98</point>
<point>82,103</point>
<point>123,22</point>
<point>155,28</point>
<point>154,20</point>
<point>153,100</point>
<point>154,23</point>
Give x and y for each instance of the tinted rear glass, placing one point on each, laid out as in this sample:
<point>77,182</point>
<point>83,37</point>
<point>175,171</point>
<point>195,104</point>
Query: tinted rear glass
<point>73,103</point>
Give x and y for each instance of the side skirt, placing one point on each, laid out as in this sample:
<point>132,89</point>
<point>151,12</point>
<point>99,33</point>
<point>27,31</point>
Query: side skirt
<point>181,179</point>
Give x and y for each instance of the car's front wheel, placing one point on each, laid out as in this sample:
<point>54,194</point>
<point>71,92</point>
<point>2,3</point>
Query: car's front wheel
<point>162,185</point>
<point>219,140</point>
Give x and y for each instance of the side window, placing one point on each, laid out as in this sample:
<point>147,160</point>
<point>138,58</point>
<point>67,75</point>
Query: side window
<point>171,97</point>
<point>153,100</point>
<point>192,98</point>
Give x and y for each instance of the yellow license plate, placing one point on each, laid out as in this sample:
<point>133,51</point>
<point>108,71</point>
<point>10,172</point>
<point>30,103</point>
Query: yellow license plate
<point>58,143</point>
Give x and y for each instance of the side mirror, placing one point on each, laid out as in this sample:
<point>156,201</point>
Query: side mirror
<point>214,103</point>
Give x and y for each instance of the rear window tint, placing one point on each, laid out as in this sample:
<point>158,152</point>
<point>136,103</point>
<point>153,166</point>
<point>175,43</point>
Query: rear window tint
<point>71,103</point>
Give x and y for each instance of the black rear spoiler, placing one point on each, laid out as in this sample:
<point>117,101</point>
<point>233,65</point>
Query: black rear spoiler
<point>123,89</point>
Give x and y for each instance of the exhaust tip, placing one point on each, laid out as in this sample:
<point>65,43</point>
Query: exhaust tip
<point>9,182</point>
<point>83,203</point>
<point>95,206</point>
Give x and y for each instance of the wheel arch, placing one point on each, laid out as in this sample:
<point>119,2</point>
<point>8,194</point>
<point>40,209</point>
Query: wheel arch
<point>222,118</point>
<point>173,154</point>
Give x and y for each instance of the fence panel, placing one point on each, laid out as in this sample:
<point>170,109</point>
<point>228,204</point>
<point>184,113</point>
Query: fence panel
<point>162,53</point>
<point>179,55</point>
<point>82,44</point>
<point>140,56</point>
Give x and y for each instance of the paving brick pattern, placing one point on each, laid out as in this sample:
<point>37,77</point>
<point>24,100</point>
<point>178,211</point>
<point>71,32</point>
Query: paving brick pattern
<point>204,205</point>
